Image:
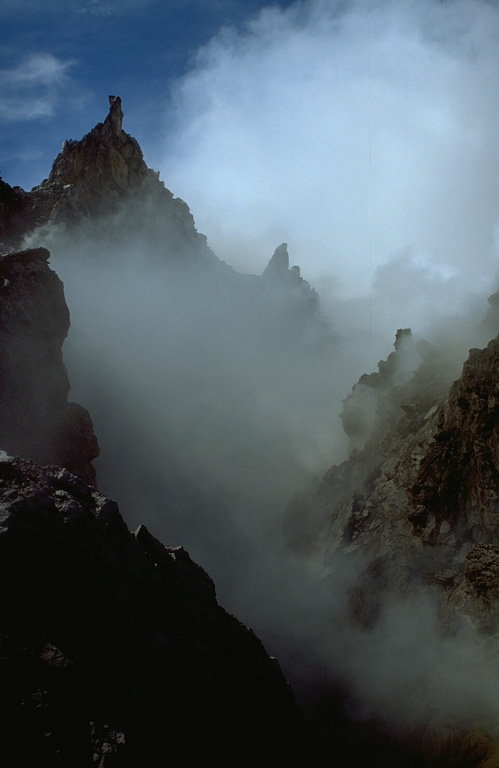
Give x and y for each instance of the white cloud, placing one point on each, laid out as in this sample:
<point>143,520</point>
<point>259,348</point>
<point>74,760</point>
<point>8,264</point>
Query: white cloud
<point>353,131</point>
<point>32,89</point>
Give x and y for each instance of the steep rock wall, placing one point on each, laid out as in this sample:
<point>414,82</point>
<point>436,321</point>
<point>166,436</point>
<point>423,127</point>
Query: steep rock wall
<point>36,419</point>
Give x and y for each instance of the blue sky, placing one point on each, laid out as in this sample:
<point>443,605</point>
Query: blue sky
<point>60,60</point>
<point>361,132</point>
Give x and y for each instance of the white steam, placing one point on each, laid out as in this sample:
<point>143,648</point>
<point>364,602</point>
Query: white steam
<point>208,421</point>
<point>364,134</point>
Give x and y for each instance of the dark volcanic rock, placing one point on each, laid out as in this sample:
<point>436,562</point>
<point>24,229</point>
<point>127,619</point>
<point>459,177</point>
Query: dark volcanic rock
<point>36,420</point>
<point>113,649</point>
<point>15,207</point>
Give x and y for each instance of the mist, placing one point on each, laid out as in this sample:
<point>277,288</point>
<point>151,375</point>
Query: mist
<point>364,136</point>
<point>213,398</point>
<point>212,408</point>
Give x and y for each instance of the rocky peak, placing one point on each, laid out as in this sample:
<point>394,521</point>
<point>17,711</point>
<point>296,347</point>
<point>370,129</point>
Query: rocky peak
<point>279,281</point>
<point>90,175</point>
<point>114,121</point>
<point>102,185</point>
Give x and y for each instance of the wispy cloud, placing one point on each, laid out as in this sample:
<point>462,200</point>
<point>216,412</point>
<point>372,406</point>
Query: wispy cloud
<point>33,88</point>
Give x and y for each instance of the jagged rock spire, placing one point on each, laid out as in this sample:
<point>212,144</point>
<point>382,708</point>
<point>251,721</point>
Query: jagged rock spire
<point>279,263</point>
<point>114,121</point>
<point>93,175</point>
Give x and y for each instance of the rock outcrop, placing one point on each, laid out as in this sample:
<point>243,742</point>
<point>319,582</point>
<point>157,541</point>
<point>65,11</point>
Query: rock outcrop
<point>419,502</point>
<point>385,411</point>
<point>36,419</point>
<point>101,192</point>
<point>113,649</point>
<point>413,515</point>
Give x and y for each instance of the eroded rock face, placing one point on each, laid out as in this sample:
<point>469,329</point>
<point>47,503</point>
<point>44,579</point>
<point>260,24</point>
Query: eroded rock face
<point>419,503</point>
<point>390,413</point>
<point>36,420</point>
<point>458,479</point>
<point>113,649</point>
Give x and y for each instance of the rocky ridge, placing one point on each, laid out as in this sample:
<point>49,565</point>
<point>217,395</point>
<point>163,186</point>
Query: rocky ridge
<point>113,649</point>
